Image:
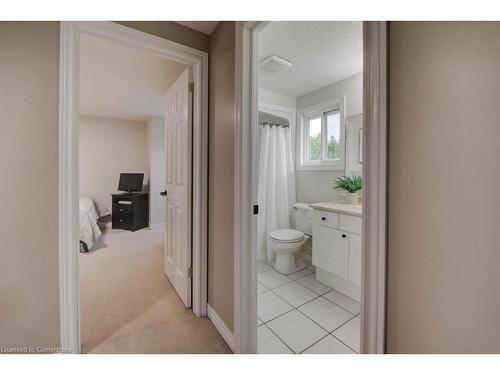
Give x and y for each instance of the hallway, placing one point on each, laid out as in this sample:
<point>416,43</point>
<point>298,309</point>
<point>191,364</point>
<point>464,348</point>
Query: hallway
<point>127,305</point>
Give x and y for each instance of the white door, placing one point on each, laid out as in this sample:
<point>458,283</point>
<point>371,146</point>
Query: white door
<point>178,152</point>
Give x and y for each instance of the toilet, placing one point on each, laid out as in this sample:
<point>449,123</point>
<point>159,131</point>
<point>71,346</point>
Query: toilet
<point>288,243</point>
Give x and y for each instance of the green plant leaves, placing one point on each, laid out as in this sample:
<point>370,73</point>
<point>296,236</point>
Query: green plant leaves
<point>349,184</point>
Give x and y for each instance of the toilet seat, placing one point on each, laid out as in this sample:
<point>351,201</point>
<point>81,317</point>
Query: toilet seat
<point>287,235</point>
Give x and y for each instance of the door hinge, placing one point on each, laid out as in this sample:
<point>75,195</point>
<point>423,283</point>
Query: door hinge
<point>191,86</point>
<point>190,272</point>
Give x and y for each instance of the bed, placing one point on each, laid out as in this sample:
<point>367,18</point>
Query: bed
<point>89,229</point>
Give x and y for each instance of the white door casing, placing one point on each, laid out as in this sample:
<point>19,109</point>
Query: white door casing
<point>68,162</point>
<point>178,180</point>
<point>374,143</point>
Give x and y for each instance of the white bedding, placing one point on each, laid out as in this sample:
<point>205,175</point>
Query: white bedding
<point>89,230</point>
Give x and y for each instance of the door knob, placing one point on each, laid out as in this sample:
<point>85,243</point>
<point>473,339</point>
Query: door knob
<point>163,193</point>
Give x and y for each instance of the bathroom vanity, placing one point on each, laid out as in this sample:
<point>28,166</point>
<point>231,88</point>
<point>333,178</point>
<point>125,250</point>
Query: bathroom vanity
<point>336,234</point>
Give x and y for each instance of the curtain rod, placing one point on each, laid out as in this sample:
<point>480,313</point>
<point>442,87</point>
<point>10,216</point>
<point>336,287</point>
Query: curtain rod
<point>274,124</point>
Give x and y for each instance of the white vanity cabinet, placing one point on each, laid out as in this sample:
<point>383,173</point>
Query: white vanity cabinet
<point>354,272</point>
<point>336,239</point>
<point>337,261</point>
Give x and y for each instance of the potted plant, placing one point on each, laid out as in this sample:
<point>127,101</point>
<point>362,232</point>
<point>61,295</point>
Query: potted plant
<point>351,185</point>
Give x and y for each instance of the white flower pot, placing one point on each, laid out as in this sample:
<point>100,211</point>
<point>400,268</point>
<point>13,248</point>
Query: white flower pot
<point>352,198</point>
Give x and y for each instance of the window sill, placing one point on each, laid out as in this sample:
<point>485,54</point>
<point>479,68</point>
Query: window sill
<point>319,167</point>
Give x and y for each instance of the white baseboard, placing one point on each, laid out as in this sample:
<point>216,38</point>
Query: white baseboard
<point>221,327</point>
<point>157,226</point>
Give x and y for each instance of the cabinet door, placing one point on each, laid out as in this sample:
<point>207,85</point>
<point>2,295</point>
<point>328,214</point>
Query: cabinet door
<point>355,258</point>
<point>330,250</point>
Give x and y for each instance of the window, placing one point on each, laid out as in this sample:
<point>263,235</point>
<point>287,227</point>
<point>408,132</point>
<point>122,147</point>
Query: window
<point>321,141</point>
<point>314,138</point>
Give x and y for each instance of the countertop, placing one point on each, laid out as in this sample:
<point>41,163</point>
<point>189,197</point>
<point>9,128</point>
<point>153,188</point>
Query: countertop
<point>338,207</point>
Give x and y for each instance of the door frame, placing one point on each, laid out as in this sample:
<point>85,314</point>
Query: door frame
<point>374,219</point>
<point>69,79</point>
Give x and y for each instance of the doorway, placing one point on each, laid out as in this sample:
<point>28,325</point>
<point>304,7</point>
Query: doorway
<point>197,61</point>
<point>372,251</point>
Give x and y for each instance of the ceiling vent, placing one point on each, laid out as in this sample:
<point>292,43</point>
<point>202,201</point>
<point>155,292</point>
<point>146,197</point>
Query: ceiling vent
<point>273,64</point>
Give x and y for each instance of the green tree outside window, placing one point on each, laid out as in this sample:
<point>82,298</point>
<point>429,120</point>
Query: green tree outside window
<point>314,149</point>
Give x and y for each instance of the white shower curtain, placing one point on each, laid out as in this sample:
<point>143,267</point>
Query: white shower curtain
<point>276,185</point>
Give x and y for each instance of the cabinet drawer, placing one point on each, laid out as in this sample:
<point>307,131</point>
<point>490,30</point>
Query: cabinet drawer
<point>123,216</point>
<point>330,250</point>
<point>123,219</point>
<point>350,224</point>
<point>123,210</point>
<point>328,219</point>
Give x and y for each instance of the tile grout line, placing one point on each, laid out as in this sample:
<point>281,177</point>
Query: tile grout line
<point>300,312</point>
<point>334,337</point>
<point>347,321</point>
<point>319,295</point>
<point>343,308</point>
<point>297,308</point>
<point>294,308</point>
<point>280,315</point>
<point>279,338</point>
<point>338,338</point>
<point>314,343</point>
<point>305,286</point>
<point>322,337</point>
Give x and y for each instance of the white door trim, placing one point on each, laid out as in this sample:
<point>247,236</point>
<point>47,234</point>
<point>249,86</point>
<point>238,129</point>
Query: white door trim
<point>374,220</point>
<point>68,161</point>
<point>245,259</point>
<point>375,192</point>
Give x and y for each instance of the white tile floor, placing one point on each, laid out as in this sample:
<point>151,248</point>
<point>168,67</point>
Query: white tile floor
<point>297,314</point>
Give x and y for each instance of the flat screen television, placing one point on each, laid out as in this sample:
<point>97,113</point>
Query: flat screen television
<point>130,182</point>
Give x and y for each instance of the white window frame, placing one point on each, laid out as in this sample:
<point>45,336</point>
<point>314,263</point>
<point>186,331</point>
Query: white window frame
<point>302,163</point>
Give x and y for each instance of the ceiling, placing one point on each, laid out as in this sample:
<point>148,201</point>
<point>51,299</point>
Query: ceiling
<point>122,81</point>
<point>206,27</point>
<point>321,52</point>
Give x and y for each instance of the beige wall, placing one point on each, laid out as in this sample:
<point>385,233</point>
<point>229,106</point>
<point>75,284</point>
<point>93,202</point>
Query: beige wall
<point>29,287</point>
<point>156,152</point>
<point>29,112</point>
<point>109,147</point>
<point>221,172</point>
<point>172,31</point>
<point>444,210</point>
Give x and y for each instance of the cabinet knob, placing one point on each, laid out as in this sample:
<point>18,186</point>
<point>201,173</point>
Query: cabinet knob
<point>323,218</point>
<point>121,220</point>
<point>344,236</point>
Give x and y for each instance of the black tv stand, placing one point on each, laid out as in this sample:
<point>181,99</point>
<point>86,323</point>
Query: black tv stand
<point>130,211</point>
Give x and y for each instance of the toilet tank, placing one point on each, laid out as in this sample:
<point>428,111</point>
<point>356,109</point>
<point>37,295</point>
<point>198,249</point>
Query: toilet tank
<point>303,217</point>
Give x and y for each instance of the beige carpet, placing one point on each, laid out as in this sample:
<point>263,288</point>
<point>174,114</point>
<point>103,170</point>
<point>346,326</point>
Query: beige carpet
<point>127,305</point>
